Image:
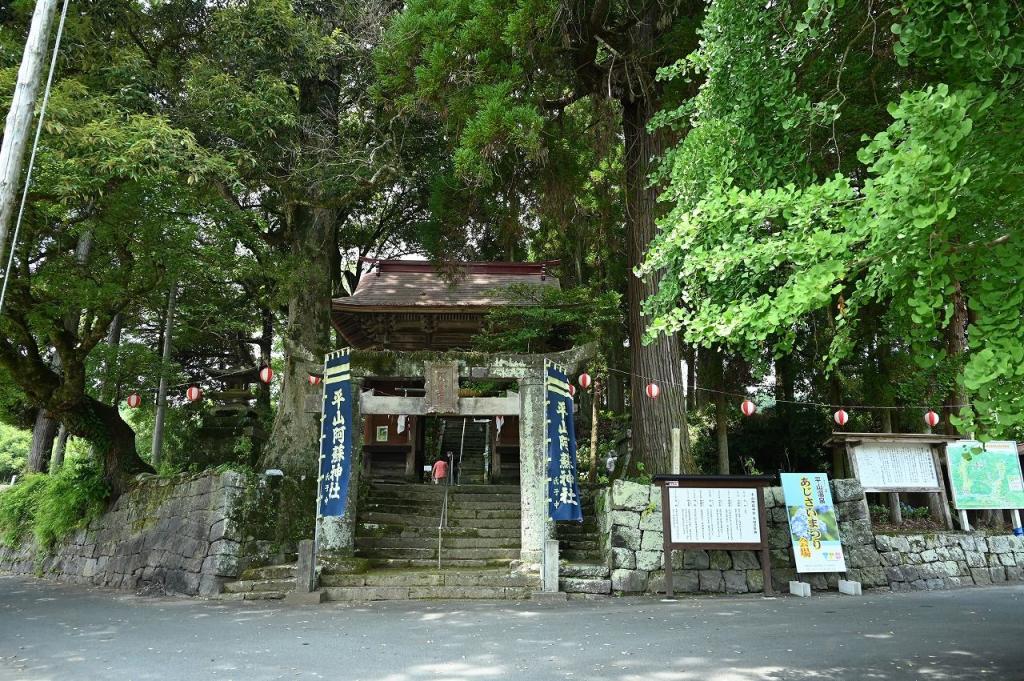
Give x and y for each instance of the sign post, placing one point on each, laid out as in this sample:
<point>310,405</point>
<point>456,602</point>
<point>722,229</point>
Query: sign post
<point>714,511</point>
<point>896,462</point>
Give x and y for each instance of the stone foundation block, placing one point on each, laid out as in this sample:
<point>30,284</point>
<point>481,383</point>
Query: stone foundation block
<point>720,560</point>
<point>623,558</point>
<point>745,560</point>
<point>712,581</point>
<point>626,518</point>
<point>649,560</point>
<point>629,581</point>
<point>630,496</point>
<point>696,559</point>
<point>652,541</point>
<point>735,581</point>
<point>626,538</point>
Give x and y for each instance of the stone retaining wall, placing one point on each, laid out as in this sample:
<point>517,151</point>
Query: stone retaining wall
<point>948,560</point>
<point>175,534</point>
<point>629,517</point>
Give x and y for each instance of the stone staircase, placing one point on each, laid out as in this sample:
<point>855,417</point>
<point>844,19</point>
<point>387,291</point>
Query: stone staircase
<point>583,567</point>
<point>397,526</point>
<point>396,549</point>
<point>261,584</point>
<point>472,447</point>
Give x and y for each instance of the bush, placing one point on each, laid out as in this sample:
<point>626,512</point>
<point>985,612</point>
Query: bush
<point>14,446</point>
<point>52,506</point>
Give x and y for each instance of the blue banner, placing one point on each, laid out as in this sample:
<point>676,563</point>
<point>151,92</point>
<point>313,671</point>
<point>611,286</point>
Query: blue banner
<point>335,435</point>
<point>563,488</point>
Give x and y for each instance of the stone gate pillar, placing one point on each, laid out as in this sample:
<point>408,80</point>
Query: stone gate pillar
<point>535,527</point>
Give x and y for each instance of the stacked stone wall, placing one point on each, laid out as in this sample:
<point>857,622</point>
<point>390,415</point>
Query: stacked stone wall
<point>630,520</point>
<point>917,562</point>
<point>176,534</point>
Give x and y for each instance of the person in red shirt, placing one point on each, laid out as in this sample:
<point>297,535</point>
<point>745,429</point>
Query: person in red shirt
<point>440,471</point>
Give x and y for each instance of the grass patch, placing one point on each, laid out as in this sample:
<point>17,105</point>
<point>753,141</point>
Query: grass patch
<point>52,506</point>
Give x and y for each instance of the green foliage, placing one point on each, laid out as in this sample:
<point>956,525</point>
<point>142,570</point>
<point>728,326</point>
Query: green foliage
<point>14,446</point>
<point>539,319</point>
<point>872,195</point>
<point>52,506</point>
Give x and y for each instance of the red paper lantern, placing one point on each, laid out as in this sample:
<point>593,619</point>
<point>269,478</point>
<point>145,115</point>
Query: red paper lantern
<point>585,381</point>
<point>134,400</point>
<point>653,390</point>
<point>841,417</point>
<point>315,380</point>
<point>572,390</point>
<point>266,374</point>
<point>931,418</point>
<point>194,393</point>
<point>748,408</point>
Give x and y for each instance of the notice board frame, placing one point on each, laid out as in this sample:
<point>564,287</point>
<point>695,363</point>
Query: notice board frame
<point>756,482</point>
<point>844,445</point>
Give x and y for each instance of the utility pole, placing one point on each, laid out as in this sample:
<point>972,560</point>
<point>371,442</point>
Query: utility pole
<point>19,118</point>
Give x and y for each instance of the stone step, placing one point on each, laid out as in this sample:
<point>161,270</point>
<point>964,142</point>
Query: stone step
<point>499,578</point>
<point>391,518</point>
<point>583,585</point>
<point>471,510</point>
<point>269,572</point>
<point>392,593</point>
<point>367,544</point>
<point>460,563</point>
<point>413,531</point>
<point>506,500</point>
<point>581,556</point>
<point>252,596</point>
<point>255,585</point>
<point>584,570</point>
<point>579,545</point>
<point>423,489</point>
<point>446,553</point>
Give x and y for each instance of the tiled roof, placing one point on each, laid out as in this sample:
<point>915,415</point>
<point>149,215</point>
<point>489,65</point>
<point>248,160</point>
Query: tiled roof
<point>417,284</point>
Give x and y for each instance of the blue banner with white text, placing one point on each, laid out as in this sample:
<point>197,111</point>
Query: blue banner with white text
<point>335,435</point>
<point>563,487</point>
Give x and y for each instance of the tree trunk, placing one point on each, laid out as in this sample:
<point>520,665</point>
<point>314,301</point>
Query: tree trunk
<point>956,346</point>
<point>112,439</point>
<point>721,413</point>
<point>59,448</point>
<point>659,361</point>
<point>43,434</point>
<point>156,451</point>
<point>110,389</point>
<point>293,444</point>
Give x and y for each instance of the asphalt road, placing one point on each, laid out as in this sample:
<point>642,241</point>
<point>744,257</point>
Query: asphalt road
<point>65,633</point>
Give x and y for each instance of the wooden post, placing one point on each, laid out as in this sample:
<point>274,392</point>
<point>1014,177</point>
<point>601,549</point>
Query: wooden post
<point>19,118</point>
<point>943,501</point>
<point>895,512</point>
<point>666,529</point>
<point>676,452</point>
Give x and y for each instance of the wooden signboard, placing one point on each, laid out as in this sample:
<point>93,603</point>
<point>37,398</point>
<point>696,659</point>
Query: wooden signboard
<point>714,512</point>
<point>898,462</point>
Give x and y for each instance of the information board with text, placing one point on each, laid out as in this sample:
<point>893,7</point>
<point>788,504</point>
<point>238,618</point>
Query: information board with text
<point>714,515</point>
<point>885,466</point>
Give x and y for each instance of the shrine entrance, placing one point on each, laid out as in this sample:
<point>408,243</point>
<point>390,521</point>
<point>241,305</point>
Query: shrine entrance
<point>422,395</point>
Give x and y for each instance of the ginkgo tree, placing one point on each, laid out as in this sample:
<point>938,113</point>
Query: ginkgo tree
<point>854,161</point>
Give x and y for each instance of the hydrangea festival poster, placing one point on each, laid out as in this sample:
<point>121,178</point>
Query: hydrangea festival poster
<point>813,525</point>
